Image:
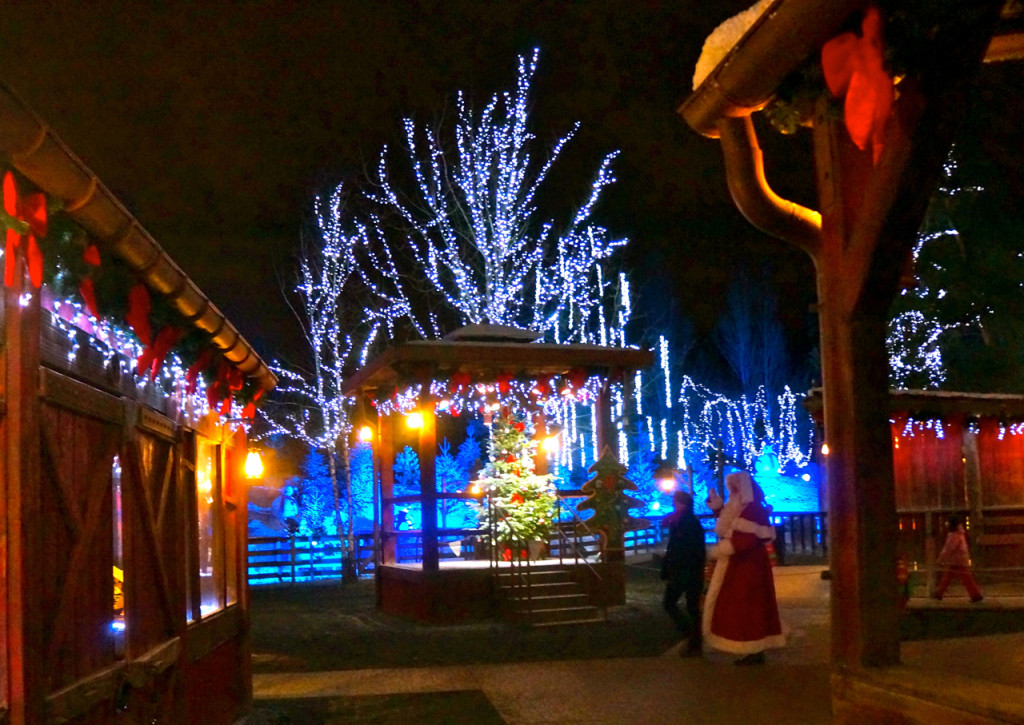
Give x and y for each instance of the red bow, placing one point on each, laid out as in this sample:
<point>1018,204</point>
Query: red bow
<point>152,357</point>
<point>460,381</point>
<point>138,313</point>
<point>517,498</point>
<point>853,65</point>
<point>192,374</point>
<point>31,211</point>
<point>86,288</point>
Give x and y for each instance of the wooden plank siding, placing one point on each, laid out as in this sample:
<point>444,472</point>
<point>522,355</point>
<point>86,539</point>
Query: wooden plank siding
<point>64,421</point>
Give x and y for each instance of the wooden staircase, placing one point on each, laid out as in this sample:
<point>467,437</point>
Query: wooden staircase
<point>546,596</point>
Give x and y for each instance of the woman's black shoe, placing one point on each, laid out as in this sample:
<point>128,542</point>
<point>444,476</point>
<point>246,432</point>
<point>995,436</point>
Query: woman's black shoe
<point>754,659</point>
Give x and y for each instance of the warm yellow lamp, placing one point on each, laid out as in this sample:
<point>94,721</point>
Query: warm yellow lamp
<point>414,420</point>
<point>550,444</point>
<point>365,434</point>
<point>253,464</point>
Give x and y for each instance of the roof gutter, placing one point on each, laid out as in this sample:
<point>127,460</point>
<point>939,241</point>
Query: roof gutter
<point>35,151</point>
<point>742,83</point>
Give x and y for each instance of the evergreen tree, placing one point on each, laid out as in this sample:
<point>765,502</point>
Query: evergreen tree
<point>522,502</point>
<point>607,498</point>
<point>958,325</point>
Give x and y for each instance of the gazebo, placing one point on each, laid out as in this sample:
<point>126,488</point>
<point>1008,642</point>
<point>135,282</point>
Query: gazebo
<point>472,359</point>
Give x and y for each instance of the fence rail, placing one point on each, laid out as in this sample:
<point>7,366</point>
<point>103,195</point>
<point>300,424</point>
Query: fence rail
<point>800,538</point>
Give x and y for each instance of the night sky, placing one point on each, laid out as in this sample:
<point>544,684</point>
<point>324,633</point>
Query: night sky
<point>215,123</point>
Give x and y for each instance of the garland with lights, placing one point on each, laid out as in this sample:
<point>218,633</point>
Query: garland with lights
<point>86,296</point>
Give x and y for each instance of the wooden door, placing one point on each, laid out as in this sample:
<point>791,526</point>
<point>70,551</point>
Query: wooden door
<point>88,444</point>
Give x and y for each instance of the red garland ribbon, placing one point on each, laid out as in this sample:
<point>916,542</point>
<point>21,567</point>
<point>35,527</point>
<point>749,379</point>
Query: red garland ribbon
<point>153,356</point>
<point>138,313</point>
<point>192,374</point>
<point>460,381</point>
<point>88,294</point>
<point>31,210</point>
<point>218,389</point>
<point>86,288</point>
<point>854,66</point>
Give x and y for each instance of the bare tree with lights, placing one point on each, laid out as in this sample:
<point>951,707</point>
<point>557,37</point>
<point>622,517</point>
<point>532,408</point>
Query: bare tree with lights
<point>312,408</point>
<point>468,215</point>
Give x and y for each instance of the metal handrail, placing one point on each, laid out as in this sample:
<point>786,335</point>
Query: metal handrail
<point>515,567</point>
<point>577,524</point>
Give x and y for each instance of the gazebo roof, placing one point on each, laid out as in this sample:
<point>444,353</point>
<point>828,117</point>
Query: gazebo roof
<point>429,359</point>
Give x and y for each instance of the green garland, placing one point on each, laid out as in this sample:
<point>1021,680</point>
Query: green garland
<point>65,267</point>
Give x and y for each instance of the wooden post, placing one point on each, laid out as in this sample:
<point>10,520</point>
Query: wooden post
<point>25,679</point>
<point>606,436</point>
<point>386,465</point>
<point>540,458</point>
<point>428,482</point>
<point>852,308</point>
<point>973,488</point>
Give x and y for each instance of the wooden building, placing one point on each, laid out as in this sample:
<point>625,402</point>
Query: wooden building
<point>123,522</point>
<point>431,592</point>
<point>871,197</point>
<point>957,453</point>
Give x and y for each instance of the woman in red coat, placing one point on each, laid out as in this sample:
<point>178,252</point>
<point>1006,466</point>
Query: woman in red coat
<point>741,615</point>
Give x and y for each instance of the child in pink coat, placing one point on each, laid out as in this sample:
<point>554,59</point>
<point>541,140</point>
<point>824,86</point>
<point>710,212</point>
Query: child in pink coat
<point>957,560</point>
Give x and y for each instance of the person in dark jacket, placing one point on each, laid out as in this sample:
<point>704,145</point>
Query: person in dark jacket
<point>682,570</point>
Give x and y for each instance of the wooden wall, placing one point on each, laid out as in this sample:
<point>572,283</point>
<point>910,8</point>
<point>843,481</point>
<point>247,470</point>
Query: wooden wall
<point>62,426</point>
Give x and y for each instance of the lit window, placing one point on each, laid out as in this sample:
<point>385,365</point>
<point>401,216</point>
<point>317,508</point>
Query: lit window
<point>211,551</point>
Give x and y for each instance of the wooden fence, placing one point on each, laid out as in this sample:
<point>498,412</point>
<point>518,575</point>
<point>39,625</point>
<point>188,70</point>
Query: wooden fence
<point>801,538</point>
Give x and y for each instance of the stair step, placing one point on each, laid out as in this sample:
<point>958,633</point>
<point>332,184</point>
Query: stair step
<point>564,614</point>
<point>567,622</point>
<point>547,589</point>
<point>555,601</point>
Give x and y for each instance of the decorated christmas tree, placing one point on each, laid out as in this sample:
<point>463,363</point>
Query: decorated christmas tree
<point>522,503</point>
<point>607,498</point>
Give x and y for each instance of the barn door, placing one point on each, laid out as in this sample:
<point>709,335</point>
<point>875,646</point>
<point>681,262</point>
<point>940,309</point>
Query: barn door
<point>80,435</point>
<point>153,537</point>
<point>110,509</point>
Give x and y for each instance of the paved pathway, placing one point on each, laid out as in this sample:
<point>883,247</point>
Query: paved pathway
<point>793,687</point>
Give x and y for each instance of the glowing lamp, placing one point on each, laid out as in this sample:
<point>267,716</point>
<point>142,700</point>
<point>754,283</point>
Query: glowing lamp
<point>655,506</point>
<point>550,444</point>
<point>253,464</point>
<point>667,484</point>
<point>475,489</point>
<point>414,420</point>
<point>365,434</point>
<point>824,449</point>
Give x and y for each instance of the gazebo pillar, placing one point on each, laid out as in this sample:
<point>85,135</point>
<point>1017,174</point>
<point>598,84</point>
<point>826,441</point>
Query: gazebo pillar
<point>385,463</point>
<point>428,482</point>
<point>606,436</point>
<point>540,458</point>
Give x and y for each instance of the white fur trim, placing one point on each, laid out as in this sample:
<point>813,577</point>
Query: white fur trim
<point>774,641</point>
<point>746,526</point>
<point>723,550</point>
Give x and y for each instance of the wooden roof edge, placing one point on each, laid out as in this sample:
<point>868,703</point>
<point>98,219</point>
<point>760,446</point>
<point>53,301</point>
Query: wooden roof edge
<point>452,356</point>
<point>941,402</point>
<point>43,158</point>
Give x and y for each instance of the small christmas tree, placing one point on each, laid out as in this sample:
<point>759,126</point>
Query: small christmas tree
<point>522,503</point>
<point>607,497</point>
